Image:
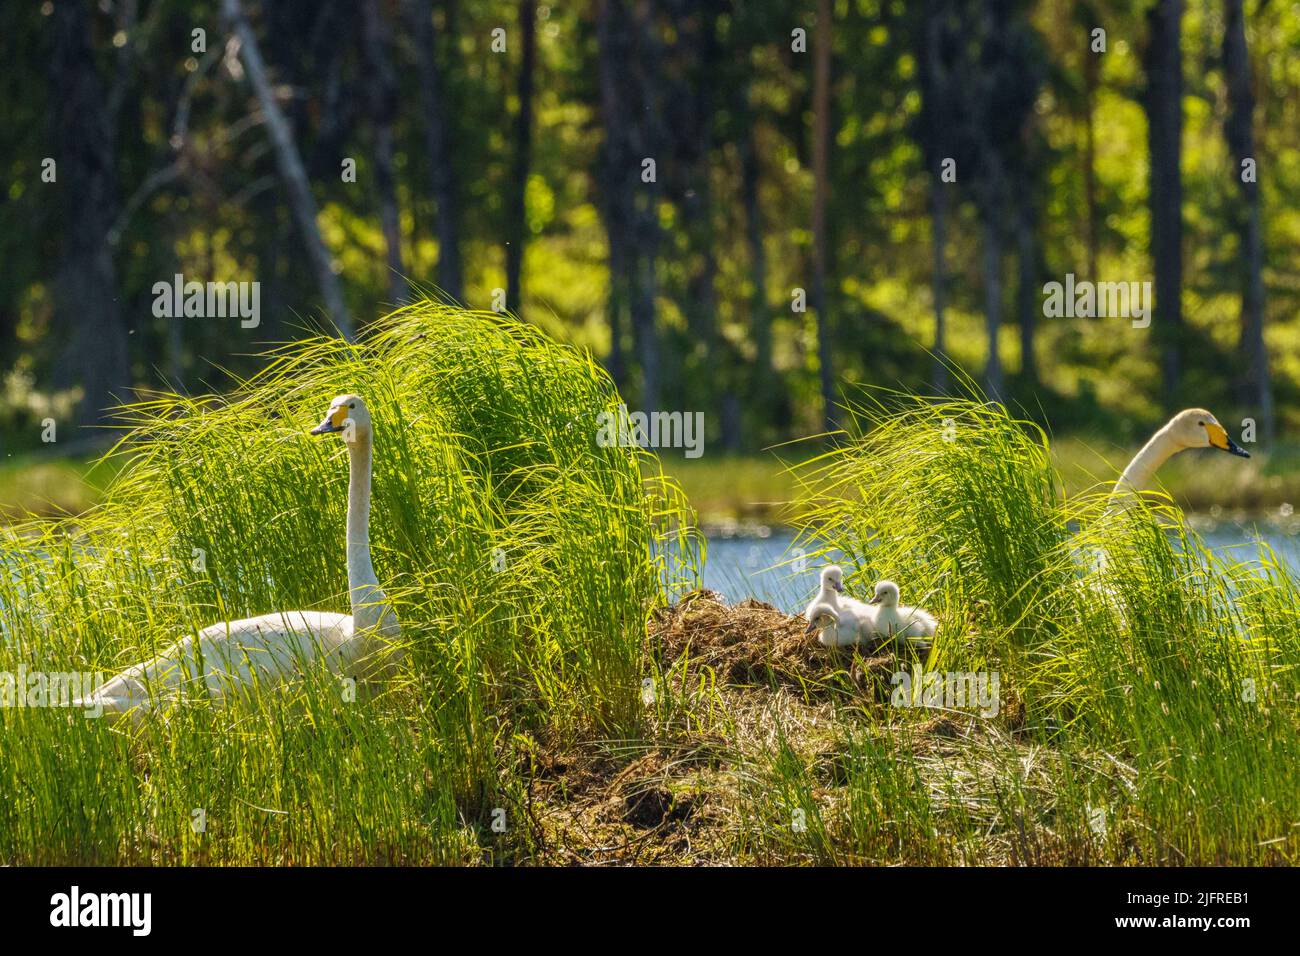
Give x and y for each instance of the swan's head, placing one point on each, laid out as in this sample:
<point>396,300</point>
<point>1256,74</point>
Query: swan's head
<point>832,578</point>
<point>886,594</point>
<point>1197,428</point>
<point>347,414</point>
<point>819,617</point>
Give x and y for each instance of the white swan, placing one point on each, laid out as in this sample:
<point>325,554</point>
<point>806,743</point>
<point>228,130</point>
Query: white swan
<point>1190,428</point>
<point>899,621</point>
<point>839,621</point>
<point>234,657</point>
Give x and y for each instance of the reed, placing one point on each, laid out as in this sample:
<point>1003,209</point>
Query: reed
<point>522,557</point>
<point>1154,680</point>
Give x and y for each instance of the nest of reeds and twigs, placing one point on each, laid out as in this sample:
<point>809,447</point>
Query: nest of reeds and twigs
<point>755,643</point>
<point>597,803</point>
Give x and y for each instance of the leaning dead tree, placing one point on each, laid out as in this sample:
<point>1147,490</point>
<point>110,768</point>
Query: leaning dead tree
<point>289,163</point>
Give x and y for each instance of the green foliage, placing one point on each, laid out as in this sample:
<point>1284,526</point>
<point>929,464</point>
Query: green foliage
<point>521,555</point>
<point>730,88</point>
<point>1161,676</point>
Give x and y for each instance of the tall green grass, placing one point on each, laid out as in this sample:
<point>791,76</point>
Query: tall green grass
<point>1161,678</point>
<point>1149,688</point>
<point>522,558</point>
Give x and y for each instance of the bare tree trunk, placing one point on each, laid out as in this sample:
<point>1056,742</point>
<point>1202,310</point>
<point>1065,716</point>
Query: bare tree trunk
<point>1027,290</point>
<point>942,377</point>
<point>616,362</point>
<point>383,107</point>
<point>1164,107</point>
<point>1091,79</point>
<point>696,203</point>
<point>629,79</point>
<point>1257,389</point>
<point>821,149</point>
<point>645,287</point>
<point>992,241</point>
<point>517,228</point>
<point>760,319</point>
<point>8,328</point>
<point>615,180</point>
<point>289,162</point>
<point>936,113</point>
<point>648,137</point>
<point>88,321</point>
<point>437,138</point>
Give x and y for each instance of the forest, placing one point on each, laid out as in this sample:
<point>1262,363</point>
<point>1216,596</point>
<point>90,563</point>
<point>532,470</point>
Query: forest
<point>736,207</point>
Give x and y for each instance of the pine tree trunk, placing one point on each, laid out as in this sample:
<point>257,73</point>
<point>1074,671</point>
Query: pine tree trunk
<point>1164,108</point>
<point>639,132</point>
<point>821,149</point>
<point>383,106</point>
<point>942,378</point>
<point>93,351</point>
<point>437,143</point>
<point>1027,291</point>
<point>936,109</point>
<point>517,226</point>
<point>1257,390</point>
<point>644,289</point>
<point>719,388</point>
<point>760,319</point>
<point>616,180</point>
<point>1091,80</point>
<point>992,276</point>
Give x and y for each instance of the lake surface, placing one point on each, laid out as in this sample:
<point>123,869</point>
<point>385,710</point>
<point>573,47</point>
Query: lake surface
<point>758,564</point>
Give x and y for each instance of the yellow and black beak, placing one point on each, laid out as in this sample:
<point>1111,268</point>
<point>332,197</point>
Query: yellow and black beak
<point>333,421</point>
<point>1220,440</point>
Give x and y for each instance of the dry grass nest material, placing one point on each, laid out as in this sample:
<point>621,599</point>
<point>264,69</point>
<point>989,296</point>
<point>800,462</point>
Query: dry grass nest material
<point>597,806</point>
<point>750,642</point>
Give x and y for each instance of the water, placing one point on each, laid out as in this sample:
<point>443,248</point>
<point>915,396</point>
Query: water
<point>760,565</point>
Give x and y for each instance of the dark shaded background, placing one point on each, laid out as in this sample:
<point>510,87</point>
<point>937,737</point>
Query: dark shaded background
<point>795,149</point>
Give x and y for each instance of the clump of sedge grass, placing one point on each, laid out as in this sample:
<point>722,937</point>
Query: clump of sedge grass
<point>523,559</point>
<point>1166,671</point>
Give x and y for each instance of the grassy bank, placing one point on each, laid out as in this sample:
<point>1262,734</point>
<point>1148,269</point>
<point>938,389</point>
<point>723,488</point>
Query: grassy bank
<point>49,486</point>
<point>557,706</point>
<point>514,547</point>
<point>1145,709</point>
<point>758,488</point>
<point>1160,680</point>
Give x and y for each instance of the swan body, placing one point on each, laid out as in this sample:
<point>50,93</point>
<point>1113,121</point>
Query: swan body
<point>837,627</point>
<point>1190,428</point>
<point>899,621</point>
<point>233,657</point>
<point>839,621</point>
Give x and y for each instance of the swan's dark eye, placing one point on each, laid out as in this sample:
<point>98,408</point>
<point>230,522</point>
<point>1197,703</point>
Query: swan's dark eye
<point>354,405</point>
<point>1202,423</point>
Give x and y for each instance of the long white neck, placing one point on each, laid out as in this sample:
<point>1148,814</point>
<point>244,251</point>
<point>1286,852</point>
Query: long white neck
<point>369,603</point>
<point>1142,468</point>
<point>829,596</point>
